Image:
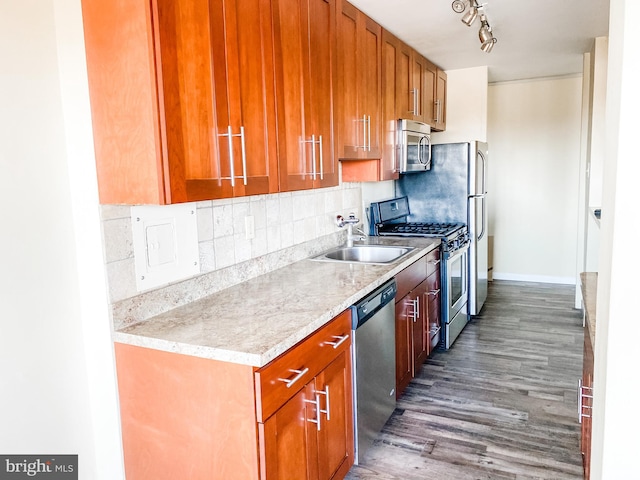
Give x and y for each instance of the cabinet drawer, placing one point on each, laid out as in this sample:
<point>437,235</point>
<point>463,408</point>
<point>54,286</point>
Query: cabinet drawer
<point>282,378</point>
<point>433,261</point>
<point>410,277</point>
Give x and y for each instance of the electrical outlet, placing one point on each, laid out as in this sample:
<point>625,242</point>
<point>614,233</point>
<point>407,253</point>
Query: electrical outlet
<point>249,227</point>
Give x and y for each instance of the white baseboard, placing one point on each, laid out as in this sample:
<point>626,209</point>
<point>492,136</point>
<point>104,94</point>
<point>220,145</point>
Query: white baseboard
<point>516,277</point>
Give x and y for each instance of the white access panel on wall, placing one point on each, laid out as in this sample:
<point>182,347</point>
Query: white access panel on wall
<point>165,244</point>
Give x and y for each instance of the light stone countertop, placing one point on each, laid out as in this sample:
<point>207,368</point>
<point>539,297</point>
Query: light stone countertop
<point>255,321</point>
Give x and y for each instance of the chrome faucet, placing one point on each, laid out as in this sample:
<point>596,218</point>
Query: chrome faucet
<point>350,221</point>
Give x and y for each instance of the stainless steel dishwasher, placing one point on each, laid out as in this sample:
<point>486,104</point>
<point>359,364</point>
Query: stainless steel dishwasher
<point>374,364</point>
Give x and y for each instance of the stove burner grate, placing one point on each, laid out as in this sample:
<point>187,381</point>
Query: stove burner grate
<point>417,228</point>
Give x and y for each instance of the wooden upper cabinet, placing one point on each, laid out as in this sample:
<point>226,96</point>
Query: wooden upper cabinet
<point>304,51</point>
<point>165,94</point>
<point>421,89</point>
<point>429,105</point>
<point>440,122</point>
<point>390,59</point>
<point>358,84</point>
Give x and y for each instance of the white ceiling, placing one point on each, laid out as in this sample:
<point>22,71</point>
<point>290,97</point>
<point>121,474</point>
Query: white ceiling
<point>536,38</point>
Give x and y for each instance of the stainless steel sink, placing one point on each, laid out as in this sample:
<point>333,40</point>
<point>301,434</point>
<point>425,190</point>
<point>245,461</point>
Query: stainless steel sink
<point>376,254</point>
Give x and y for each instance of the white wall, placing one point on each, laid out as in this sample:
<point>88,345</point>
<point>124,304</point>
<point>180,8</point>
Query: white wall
<point>466,106</point>
<point>56,364</point>
<point>616,389</point>
<point>534,150</point>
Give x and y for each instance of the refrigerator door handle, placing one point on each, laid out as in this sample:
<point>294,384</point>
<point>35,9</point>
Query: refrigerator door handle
<point>483,222</point>
<point>484,172</point>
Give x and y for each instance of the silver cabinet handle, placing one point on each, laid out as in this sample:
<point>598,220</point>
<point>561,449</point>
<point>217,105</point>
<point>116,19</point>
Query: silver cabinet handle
<point>579,400</point>
<point>313,155</point>
<point>431,262</point>
<point>366,133</point>
<point>314,159</point>
<point>415,92</point>
<point>321,158</point>
<point>232,167</point>
<point>415,315</point>
<point>315,402</point>
<point>340,340</point>
<point>244,156</point>
<point>229,136</point>
<point>581,403</point>
<point>327,412</point>
<point>434,292</point>
<point>291,381</point>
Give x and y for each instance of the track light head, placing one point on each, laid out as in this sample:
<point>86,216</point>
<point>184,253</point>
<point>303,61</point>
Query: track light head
<point>488,45</point>
<point>487,40</point>
<point>470,17</point>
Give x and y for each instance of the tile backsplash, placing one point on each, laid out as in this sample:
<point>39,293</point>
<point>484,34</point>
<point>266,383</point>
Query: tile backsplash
<point>287,227</point>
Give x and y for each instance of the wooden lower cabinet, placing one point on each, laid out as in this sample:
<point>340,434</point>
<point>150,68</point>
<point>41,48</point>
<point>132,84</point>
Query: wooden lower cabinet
<point>417,317</point>
<point>587,403</point>
<point>589,289</point>
<point>196,418</point>
<point>404,343</point>
<point>310,436</point>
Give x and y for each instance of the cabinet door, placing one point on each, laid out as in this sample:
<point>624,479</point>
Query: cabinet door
<point>433,294</point>
<point>587,383</point>
<point>441,101</point>
<point>350,140</point>
<point>419,333</point>
<point>369,90</point>
<point>304,39</point>
<point>358,83</point>
<point>320,69</point>
<point>390,58</point>
<point>289,441</point>
<point>405,93</point>
<point>429,104</point>
<point>242,64</point>
<point>418,69</point>
<point>335,435</point>
<point>404,349</point>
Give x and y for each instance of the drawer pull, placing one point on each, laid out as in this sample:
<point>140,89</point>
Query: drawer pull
<point>340,340</point>
<point>434,292</point>
<point>300,374</point>
<point>432,262</point>
<point>583,393</point>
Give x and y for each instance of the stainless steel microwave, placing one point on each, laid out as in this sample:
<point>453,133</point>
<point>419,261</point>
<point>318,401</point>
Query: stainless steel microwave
<point>414,146</point>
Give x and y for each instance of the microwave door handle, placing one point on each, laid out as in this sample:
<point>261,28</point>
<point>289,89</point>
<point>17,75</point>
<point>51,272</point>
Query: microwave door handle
<point>424,150</point>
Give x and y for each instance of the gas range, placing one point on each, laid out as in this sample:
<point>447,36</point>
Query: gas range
<point>453,235</point>
<point>387,219</point>
<point>390,218</point>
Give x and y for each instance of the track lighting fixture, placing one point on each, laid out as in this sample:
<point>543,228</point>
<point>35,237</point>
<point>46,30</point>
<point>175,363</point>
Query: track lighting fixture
<point>487,40</point>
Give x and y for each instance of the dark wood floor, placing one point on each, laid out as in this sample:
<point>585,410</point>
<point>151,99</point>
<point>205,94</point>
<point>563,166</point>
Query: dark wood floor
<point>501,404</point>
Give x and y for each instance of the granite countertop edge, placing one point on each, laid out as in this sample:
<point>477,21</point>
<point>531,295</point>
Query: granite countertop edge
<point>286,305</point>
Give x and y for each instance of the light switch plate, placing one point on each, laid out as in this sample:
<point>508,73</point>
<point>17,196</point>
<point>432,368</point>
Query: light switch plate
<point>165,244</point>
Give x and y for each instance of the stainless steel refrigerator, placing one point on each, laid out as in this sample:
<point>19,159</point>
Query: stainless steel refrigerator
<point>455,190</point>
